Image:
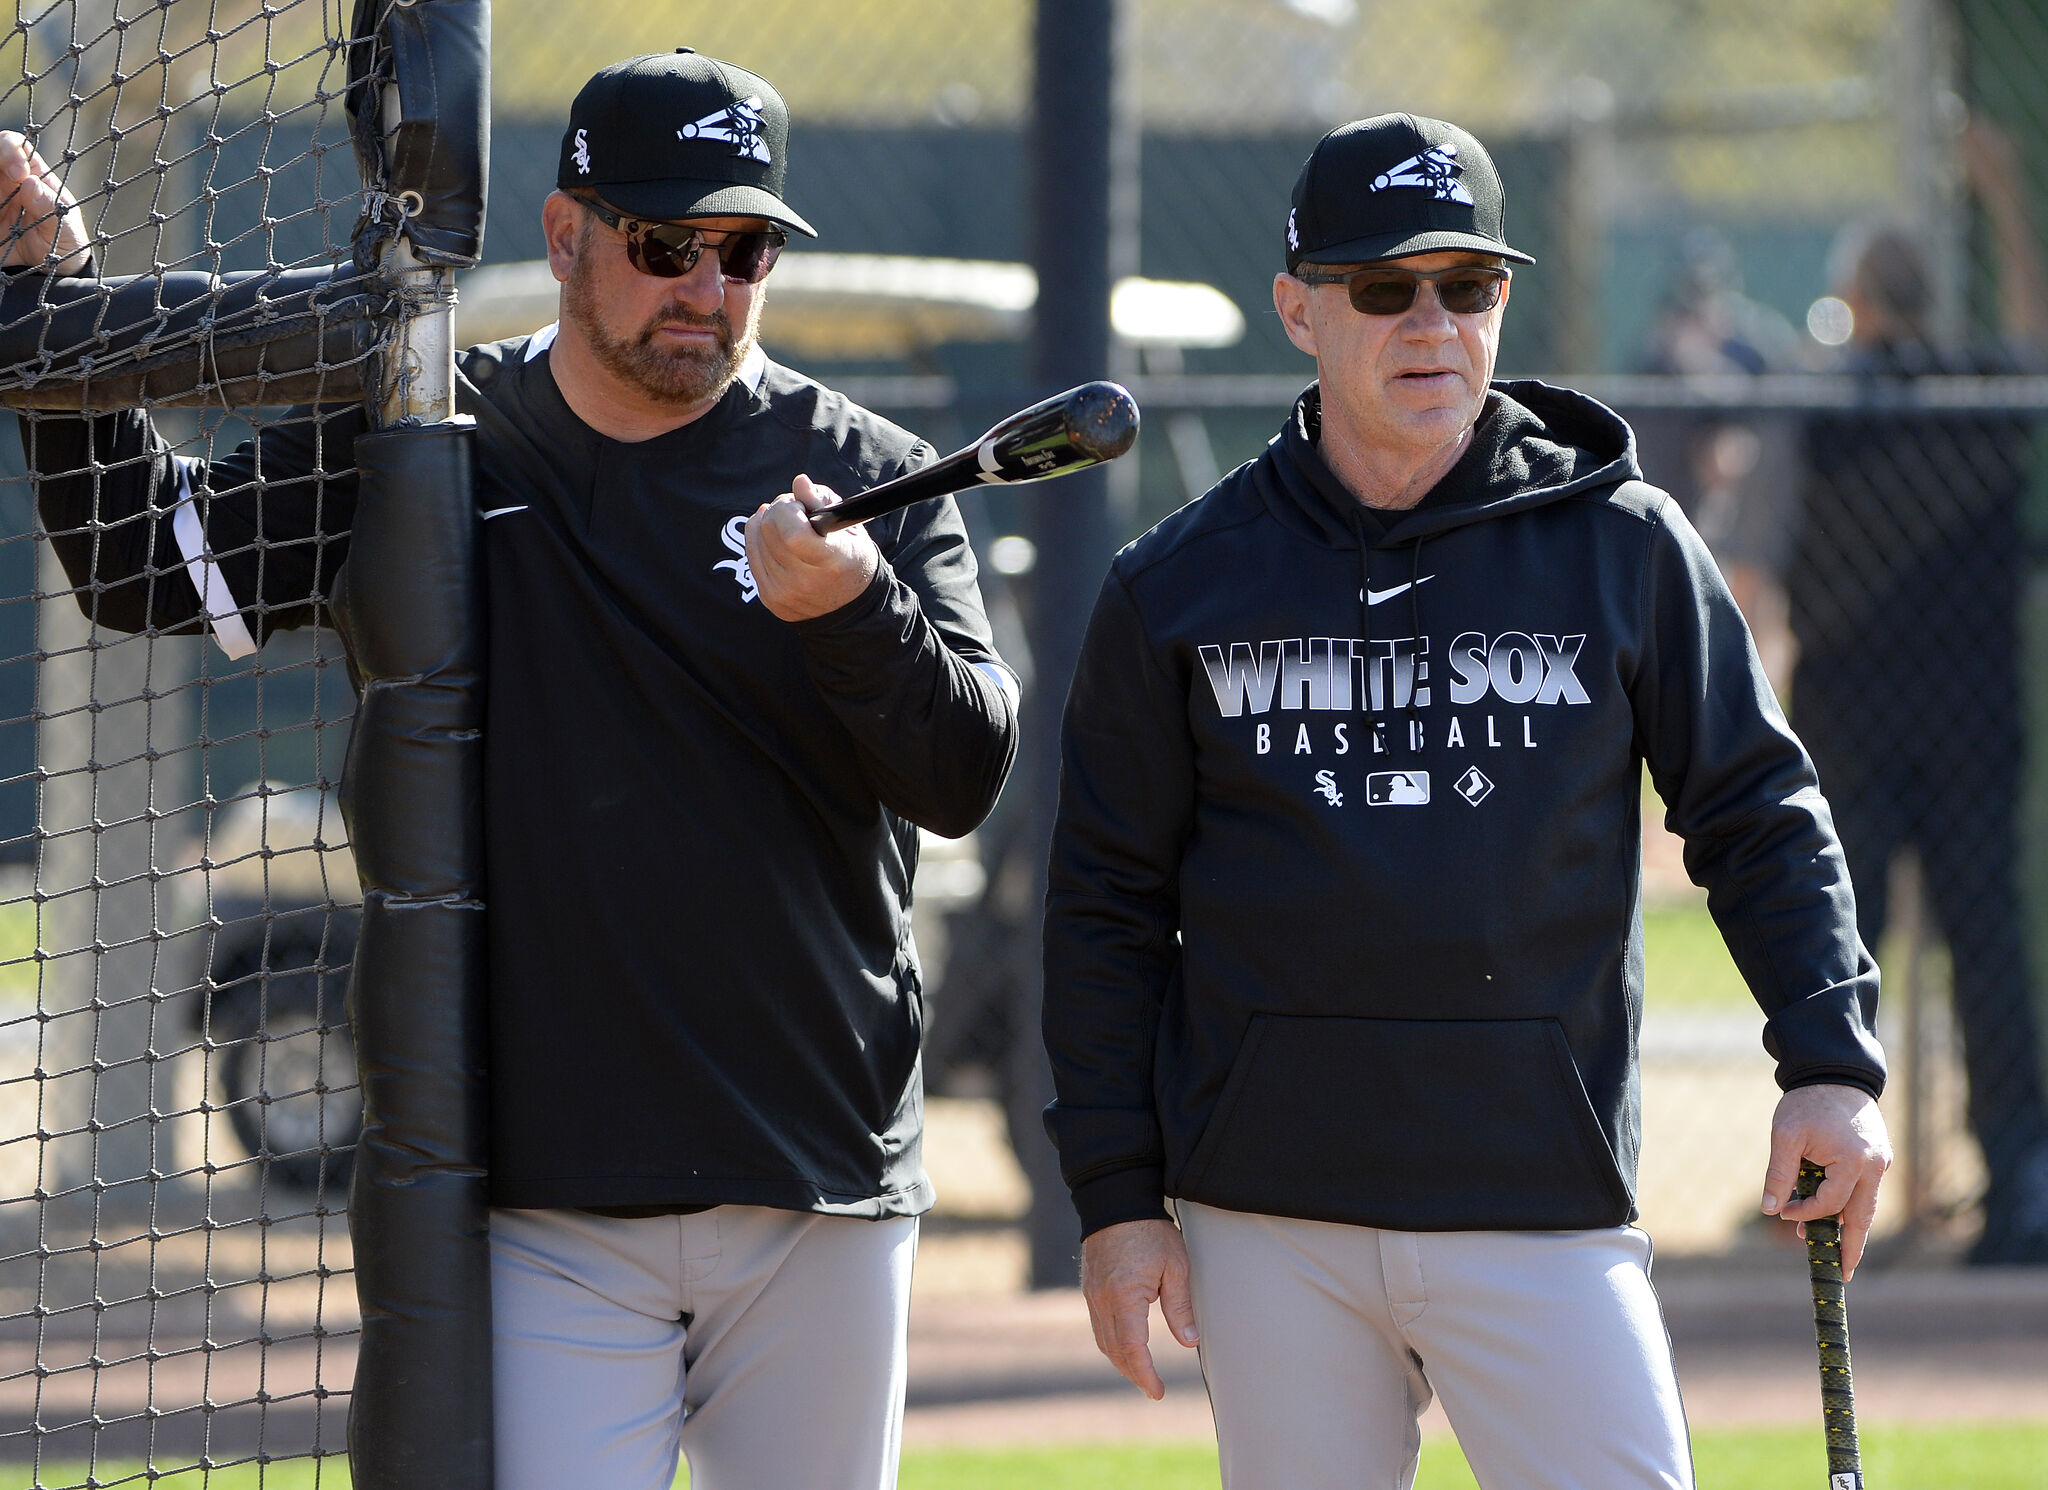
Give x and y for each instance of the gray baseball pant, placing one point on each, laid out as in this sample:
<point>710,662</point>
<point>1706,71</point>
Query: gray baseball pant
<point>766,1345</point>
<point>1322,1344</point>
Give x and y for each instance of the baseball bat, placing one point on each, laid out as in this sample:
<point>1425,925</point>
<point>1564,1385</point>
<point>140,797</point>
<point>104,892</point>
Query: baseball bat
<point>1831,1329</point>
<point>1079,428</point>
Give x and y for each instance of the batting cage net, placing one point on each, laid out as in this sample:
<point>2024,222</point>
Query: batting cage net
<point>179,906</point>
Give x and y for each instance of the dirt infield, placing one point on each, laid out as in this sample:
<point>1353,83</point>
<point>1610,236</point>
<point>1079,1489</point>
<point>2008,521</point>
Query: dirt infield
<point>988,1365</point>
<point>1930,1346</point>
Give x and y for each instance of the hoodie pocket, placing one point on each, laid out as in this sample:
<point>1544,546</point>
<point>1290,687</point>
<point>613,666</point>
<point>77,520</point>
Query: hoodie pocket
<point>1409,1124</point>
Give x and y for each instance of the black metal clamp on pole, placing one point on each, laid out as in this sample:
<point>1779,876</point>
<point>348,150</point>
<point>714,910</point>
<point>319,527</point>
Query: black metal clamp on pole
<point>412,611</point>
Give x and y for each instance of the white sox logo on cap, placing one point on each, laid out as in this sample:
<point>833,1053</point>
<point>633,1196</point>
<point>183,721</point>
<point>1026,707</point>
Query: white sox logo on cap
<point>1394,186</point>
<point>582,155</point>
<point>1435,169</point>
<point>740,124</point>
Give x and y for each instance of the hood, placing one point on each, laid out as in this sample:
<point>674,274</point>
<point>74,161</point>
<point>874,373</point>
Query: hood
<point>1533,445</point>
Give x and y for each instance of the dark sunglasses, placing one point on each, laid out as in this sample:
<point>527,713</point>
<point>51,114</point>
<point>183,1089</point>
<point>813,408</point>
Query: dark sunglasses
<point>669,250</point>
<point>1463,290</point>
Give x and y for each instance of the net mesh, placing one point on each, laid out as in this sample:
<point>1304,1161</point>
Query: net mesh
<point>175,918</point>
<point>177,901</point>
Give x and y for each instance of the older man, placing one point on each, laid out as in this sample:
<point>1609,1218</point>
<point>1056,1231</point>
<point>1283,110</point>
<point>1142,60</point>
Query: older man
<point>714,735</point>
<point>1343,940</point>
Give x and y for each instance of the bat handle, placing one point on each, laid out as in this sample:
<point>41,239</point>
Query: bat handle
<point>1831,1331</point>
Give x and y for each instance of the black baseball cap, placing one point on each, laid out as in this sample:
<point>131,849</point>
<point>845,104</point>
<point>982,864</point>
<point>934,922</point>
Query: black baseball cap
<point>1392,187</point>
<point>675,135</point>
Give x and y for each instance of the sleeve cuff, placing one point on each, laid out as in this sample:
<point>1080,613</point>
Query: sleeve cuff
<point>1122,1195</point>
<point>852,616</point>
<point>1828,1037</point>
<point>1857,1079</point>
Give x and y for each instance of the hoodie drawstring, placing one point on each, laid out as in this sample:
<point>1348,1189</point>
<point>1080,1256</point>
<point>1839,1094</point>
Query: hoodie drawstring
<point>1370,674</point>
<point>1369,671</point>
<point>1415,630</point>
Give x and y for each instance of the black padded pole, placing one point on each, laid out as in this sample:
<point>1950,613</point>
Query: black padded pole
<point>411,610</point>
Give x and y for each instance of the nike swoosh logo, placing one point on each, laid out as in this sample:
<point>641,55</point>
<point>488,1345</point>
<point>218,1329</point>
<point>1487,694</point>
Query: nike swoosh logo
<point>501,511</point>
<point>1374,597</point>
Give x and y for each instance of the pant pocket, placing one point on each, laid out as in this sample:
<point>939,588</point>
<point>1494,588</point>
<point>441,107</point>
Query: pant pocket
<point>1409,1124</point>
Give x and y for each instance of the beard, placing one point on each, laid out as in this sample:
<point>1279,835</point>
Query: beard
<point>687,375</point>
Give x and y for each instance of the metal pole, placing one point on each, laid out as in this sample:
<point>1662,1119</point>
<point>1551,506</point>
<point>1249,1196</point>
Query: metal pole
<point>420,388</point>
<point>1930,179</point>
<point>1909,914</point>
<point>419,383</point>
<point>1589,188</point>
<point>1072,145</point>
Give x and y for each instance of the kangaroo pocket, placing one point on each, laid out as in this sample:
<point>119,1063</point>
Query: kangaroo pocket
<point>1410,1124</point>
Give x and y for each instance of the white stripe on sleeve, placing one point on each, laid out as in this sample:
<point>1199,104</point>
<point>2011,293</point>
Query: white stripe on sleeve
<point>230,631</point>
<point>1004,679</point>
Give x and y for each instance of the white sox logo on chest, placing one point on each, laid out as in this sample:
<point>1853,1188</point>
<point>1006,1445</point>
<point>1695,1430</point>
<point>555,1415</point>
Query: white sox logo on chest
<point>734,536</point>
<point>1497,683</point>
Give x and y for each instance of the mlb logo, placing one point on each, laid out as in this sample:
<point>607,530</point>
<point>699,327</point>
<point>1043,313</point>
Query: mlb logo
<point>1397,788</point>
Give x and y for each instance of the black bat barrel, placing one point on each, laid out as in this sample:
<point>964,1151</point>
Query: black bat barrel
<point>1079,428</point>
<point>1082,427</point>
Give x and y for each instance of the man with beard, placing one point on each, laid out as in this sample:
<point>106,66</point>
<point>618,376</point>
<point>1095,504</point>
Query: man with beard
<point>706,1105</point>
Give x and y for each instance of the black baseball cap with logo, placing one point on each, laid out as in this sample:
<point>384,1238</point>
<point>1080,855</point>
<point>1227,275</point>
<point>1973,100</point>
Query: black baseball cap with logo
<point>676,135</point>
<point>1392,187</point>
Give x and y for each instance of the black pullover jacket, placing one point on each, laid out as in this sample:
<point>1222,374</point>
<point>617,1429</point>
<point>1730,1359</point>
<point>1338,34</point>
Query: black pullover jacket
<point>701,821</point>
<point>1344,915</point>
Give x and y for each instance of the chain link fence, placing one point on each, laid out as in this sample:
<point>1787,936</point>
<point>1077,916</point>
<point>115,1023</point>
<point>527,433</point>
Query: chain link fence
<point>1800,246</point>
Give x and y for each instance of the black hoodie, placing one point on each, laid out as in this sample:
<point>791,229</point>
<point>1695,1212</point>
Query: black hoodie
<point>1344,916</point>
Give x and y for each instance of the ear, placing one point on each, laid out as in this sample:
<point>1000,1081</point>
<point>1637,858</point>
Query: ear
<point>561,222</point>
<point>1290,299</point>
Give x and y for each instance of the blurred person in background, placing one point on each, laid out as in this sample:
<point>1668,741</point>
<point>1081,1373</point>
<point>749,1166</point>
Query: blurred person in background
<point>1905,602</point>
<point>1735,474</point>
<point>1706,324</point>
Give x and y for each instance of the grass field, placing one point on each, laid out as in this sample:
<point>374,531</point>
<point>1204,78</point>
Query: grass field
<point>18,967</point>
<point>1979,1456</point>
<point>1686,965</point>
